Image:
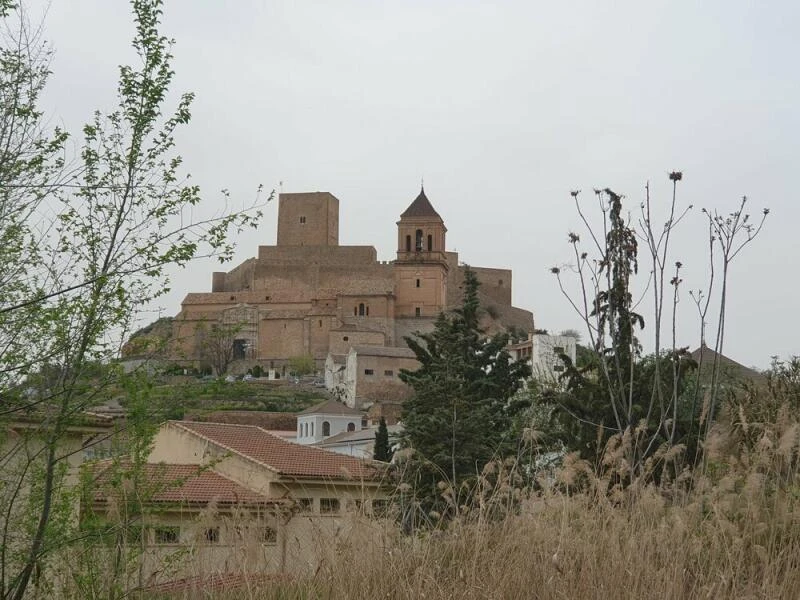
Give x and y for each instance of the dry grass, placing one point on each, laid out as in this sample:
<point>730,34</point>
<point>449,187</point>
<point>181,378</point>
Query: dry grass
<point>736,534</point>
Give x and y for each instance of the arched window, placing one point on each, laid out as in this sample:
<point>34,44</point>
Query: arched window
<point>367,309</point>
<point>351,427</point>
<point>418,241</point>
<point>408,243</point>
<point>361,310</point>
<point>305,429</point>
<point>312,429</point>
<point>430,243</point>
<point>326,429</point>
<point>355,311</point>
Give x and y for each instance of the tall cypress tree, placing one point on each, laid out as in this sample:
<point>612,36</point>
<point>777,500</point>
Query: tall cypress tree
<point>460,416</point>
<point>383,450</point>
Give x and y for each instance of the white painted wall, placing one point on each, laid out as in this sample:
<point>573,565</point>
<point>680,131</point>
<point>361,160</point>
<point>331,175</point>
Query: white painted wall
<point>310,427</point>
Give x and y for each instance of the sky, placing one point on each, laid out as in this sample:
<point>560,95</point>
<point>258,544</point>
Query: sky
<point>503,108</point>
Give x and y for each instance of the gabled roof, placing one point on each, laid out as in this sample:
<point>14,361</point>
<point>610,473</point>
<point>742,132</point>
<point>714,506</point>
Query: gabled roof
<point>184,484</point>
<point>729,368</point>
<point>332,408</point>
<point>283,457</point>
<point>388,351</point>
<point>421,207</point>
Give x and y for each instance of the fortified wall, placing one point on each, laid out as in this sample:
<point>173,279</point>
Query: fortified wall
<point>307,295</point>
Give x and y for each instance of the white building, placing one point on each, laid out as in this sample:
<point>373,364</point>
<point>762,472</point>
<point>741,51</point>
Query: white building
<point>326,419</point>
<point>359,444</point>
<point>542,352</point>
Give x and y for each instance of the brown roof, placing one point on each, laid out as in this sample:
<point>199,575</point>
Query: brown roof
<point>331,407</point>
<point>285,458</point>
<point>186,484</point>
<point>421,207</point>
<point>729,368</point>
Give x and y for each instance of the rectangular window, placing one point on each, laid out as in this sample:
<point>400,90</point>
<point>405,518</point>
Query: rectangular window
<point>355,506</point>
<point>369,372</point>
<point>211,535</point>
<point>269,535</point>
<point>306,505</point>
<point>558,349</point>
<point>388,373</point>
<point>417,282</point>
<point>417,312</point>
<point>302,220</point>
<point>167,535</point>
<point>328,505</point>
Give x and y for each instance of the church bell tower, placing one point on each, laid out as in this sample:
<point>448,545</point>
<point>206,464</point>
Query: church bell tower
<point>421,266</point>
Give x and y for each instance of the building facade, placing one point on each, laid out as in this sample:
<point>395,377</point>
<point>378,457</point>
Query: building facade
<point>309,295</point>
<point>235,499</point>
<point>543,353</point>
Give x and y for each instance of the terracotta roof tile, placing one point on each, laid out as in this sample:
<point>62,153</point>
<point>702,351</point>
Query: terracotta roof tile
<point>185,484</point>
<point>284,457</point>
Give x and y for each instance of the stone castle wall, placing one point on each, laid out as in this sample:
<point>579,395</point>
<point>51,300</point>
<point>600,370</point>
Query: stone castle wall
<point>307,292</point>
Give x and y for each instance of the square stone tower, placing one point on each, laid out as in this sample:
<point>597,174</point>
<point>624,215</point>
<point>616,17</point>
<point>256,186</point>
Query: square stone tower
<point>308,219</point>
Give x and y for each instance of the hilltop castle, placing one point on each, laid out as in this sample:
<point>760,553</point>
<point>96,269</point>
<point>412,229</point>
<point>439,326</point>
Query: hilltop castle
<point>308,295</point>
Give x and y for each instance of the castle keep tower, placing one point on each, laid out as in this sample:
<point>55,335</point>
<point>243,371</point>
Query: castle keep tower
<point>308,219</point>
<point>421,266</point>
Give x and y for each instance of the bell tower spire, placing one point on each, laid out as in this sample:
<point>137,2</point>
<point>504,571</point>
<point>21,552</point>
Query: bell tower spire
<point>421,266</point>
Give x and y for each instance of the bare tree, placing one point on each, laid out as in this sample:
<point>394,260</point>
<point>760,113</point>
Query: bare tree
<point>645,406</point>
<point>215,342</point>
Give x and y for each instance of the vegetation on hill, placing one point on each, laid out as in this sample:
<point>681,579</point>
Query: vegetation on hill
<point>217,394</point>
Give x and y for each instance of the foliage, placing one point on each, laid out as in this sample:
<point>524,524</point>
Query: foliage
<point>461,413</point>
<point>82,265</point>
<point>302,365</point>
<point>383,448</point>
<point>734,535</point>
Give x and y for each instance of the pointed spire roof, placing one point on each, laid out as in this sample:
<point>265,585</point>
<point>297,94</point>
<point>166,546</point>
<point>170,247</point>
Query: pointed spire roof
<point>421,207</point>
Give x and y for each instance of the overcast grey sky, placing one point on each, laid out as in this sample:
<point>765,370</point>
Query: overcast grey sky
<point>502,107</point>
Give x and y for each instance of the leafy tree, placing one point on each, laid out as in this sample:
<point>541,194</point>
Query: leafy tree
<point>80,279</point>
<point>463,408</point>
<point>302,365</point>
<point>383,449</point>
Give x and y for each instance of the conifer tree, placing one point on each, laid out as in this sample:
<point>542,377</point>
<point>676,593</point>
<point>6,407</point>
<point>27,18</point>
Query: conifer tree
<point>462,411</point>
<point>383,450</point>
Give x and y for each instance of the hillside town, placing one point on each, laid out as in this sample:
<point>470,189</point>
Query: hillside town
<point>609,409</point>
